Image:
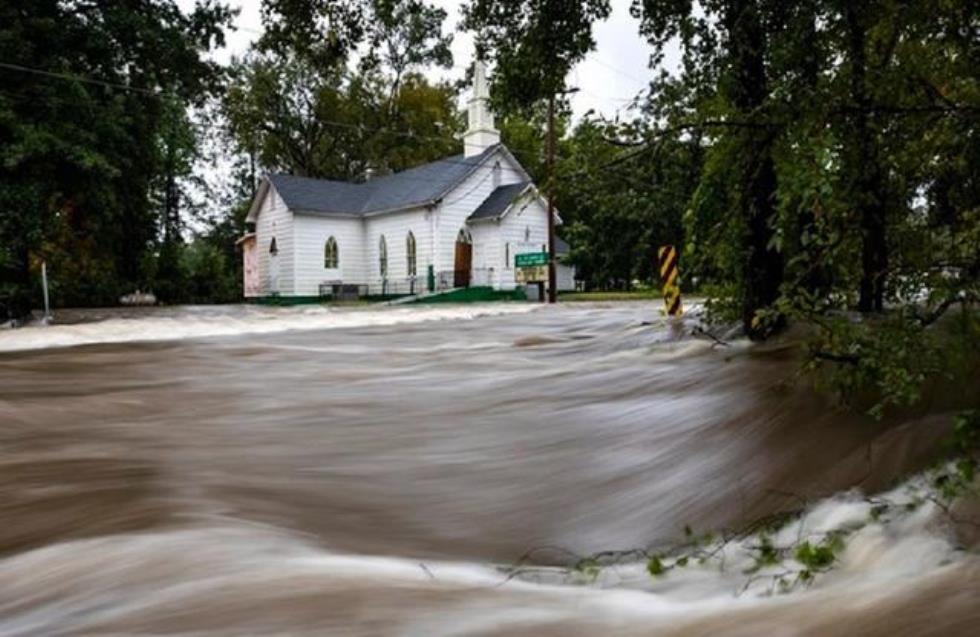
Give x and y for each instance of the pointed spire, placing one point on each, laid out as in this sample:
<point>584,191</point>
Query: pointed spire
<point>480,133</point>
<point>480,90</point>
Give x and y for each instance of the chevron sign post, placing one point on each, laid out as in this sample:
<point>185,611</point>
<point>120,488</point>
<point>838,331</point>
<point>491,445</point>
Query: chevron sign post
<point>668,275</point>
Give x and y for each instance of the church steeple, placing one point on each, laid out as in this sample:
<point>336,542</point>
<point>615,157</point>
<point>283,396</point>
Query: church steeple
<point>480,133</point>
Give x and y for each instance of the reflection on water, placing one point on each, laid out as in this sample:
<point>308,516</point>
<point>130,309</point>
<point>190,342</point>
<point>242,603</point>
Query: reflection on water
<point>282,476</point>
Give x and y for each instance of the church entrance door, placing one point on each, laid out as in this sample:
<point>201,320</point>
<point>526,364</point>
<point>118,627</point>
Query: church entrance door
<point>463,264</point>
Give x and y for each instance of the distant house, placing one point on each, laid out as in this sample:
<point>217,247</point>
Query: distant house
<point>456,222</point>
<point>564,271</point>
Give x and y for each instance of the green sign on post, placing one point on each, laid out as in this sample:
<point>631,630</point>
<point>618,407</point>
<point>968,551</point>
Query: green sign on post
<point>530,259</point>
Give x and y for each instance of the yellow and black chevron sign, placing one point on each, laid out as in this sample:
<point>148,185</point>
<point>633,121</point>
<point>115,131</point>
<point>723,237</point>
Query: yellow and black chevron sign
<point>668,275</point>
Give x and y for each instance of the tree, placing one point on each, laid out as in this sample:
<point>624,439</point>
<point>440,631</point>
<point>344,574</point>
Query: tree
<point>728,76</point>
<point>618,209</point>
<point>298,110</point>
<point>534,44</point>
<point>81,110</point>
<point>320,33</point>
<point>170,193</point>
<point>405,36</point>
<point>337,125</point>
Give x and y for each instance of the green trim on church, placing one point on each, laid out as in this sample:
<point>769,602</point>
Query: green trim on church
<point>477,294</point>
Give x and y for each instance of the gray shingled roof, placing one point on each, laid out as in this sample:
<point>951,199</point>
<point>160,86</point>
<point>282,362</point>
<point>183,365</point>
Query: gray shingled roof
<point>415,186</point>
<point>319,195</point>
<point>498,201</point>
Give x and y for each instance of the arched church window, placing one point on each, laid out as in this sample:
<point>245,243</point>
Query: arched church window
<point>331,258</point>
<point>383,257</point>
<point>410,253</point>
<point>273,248</point>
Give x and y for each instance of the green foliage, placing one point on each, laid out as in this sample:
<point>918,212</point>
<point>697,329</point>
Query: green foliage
<point>588,568</point>
<point>618,213</point>
<point>958,476</point>
<point>727,98</point>
<point>300,108</point>
<point>892,360</point>
<point>819,556</point>
<point>406,34</point>
<point>655,566</point>
<point>100,171</point>
<point>318,32</point>
<point>766,553</point>
<point>858,123</point>
<point>83,140</point>
<point>207,274</point>
<point>535,44</point>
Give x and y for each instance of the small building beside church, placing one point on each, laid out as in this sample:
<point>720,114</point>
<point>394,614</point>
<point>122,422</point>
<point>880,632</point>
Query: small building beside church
<point>457,222</point>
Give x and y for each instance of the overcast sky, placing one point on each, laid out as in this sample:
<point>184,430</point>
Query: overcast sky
<point>608,79</point>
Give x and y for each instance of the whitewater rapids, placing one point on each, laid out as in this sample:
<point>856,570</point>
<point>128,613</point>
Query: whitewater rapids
<point>370,472</point>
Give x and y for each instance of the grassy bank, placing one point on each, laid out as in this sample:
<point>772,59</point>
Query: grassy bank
<point>632,295</point>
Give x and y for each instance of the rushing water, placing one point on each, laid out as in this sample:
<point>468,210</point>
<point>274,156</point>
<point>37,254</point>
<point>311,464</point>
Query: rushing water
<point>362,471</point>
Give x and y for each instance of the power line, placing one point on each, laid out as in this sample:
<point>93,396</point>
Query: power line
<point>79,78</point>
<point>612,68</point>
<point>208,127</point>
<point>249,30</point>
<point>610,99</point>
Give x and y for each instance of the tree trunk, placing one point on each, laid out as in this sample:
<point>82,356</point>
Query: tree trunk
<point>764,264</point>
<point>815,277</point>
<point>19,301</point>
<point>763,269</point>
<point>864,171</point>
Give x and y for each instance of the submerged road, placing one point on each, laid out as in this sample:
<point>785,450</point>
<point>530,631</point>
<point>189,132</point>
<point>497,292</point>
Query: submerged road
<point>271,448</point>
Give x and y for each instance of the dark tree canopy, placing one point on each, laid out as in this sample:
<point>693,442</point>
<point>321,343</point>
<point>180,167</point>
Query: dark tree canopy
<point>298,111</point>
<point>85,106</point>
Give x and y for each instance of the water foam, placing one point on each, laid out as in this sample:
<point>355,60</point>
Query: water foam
<point>239,320</point>
<point>254,578</point>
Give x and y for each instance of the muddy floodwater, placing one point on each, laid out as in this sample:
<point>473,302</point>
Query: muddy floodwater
<point>370,471</point>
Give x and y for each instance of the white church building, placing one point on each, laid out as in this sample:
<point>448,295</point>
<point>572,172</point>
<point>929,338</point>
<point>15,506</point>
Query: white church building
<point>457,222</point>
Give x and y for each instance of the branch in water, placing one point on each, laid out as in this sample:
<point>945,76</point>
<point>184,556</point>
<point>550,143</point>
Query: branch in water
<point>700,331</point>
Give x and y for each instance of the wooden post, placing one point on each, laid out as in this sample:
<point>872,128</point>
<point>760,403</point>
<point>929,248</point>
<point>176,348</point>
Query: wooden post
<point>44,284</point>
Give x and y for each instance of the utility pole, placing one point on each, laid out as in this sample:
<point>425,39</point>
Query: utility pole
<point>552,275</point>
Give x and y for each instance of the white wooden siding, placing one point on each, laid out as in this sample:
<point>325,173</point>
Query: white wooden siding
<point>525,229</point>
<point>459,204</point>
<point>395,228</point>
<point>565,275</point>
<point>275,220</point>
<point>358,248</point>
<point>311,233</point>
<point>486,266</point>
